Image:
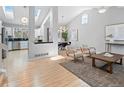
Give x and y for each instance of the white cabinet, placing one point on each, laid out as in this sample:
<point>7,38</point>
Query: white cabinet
<point>9,31</point>
<point>9,45</point>
<point>23,44</point>
<point>17,45</point>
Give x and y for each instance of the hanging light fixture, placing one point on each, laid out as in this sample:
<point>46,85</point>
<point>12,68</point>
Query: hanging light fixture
<point>24,20</point>
<point>62,25</point>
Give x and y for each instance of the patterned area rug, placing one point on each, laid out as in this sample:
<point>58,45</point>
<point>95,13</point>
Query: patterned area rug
<point>96,77</point>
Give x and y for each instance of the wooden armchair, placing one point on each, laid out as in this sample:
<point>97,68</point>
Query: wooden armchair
<point>80,52</point>
<point>92,50</point>
<point>74,53</point>
<point>87,52</point>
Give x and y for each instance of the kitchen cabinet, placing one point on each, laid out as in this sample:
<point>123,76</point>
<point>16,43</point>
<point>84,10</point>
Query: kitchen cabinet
<point>9,31</point>
<point>17,44</point>
<point>23,44</point>
<point>9,45</point>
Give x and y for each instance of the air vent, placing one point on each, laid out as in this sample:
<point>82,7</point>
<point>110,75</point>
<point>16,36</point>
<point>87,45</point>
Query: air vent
<point>43,54</point>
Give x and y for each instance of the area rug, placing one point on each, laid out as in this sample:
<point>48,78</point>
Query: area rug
<point>94,76</point>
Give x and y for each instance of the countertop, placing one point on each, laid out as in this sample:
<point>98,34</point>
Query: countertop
<point>42,42</point>
<point>17,39</point>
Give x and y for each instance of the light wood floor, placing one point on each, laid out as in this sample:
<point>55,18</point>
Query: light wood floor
<point>41,72</point>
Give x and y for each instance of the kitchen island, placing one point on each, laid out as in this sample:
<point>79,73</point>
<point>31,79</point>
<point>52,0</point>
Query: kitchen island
<point>17,43</point>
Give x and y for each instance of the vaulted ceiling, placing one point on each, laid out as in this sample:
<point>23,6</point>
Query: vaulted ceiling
<point>65,13</point>
<point>19,12</point>
<point>23,11</point>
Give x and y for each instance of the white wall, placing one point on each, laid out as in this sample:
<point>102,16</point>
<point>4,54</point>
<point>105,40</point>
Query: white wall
<point>50,48</point>
<point>45,33</point>
<point>92,33</point>
<point>38,32</point>
<point>42,30</point>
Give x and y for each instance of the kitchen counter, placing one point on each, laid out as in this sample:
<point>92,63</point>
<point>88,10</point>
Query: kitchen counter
<point>42,42</point>
<point>17,39</point>
<point>17,43</point>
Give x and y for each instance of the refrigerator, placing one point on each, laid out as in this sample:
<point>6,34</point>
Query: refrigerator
<point>0,38</point>
<point>4,40</point>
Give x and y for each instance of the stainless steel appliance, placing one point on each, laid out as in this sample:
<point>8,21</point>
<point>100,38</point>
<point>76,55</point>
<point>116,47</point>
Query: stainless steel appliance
<point>4,41</point>
<point>16,45</point>
<point>0,38</point>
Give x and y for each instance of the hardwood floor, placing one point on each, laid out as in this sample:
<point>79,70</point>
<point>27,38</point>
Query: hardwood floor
<point>45,72</point>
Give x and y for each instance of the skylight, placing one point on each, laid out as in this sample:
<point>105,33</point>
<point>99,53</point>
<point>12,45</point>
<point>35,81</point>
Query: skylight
<point>37,13</point>
<point>8,11</point>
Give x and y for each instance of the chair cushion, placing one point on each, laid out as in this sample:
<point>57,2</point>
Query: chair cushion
<point>78,54</point>
<point>71,55</point>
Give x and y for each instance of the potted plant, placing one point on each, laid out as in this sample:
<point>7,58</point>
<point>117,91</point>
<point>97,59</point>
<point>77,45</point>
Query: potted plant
<point>65,35</point>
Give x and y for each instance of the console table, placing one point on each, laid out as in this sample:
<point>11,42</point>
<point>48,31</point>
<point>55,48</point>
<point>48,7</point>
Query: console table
<point>108,45</point>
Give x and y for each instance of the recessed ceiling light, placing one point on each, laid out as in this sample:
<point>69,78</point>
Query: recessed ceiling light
<point>102,10</point>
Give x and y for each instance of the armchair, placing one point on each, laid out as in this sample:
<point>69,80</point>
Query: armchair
<point>87,52</point>
<point>92,50</point>
<point>74,53</point>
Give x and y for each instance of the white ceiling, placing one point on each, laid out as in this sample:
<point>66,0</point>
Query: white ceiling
<point>43,13</point>
<point>68,13</point>
<point>21,11</point>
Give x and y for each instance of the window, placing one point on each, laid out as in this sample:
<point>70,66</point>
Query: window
<point>8,11</point>
<point>37,14</point>
<point>84,18</point>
